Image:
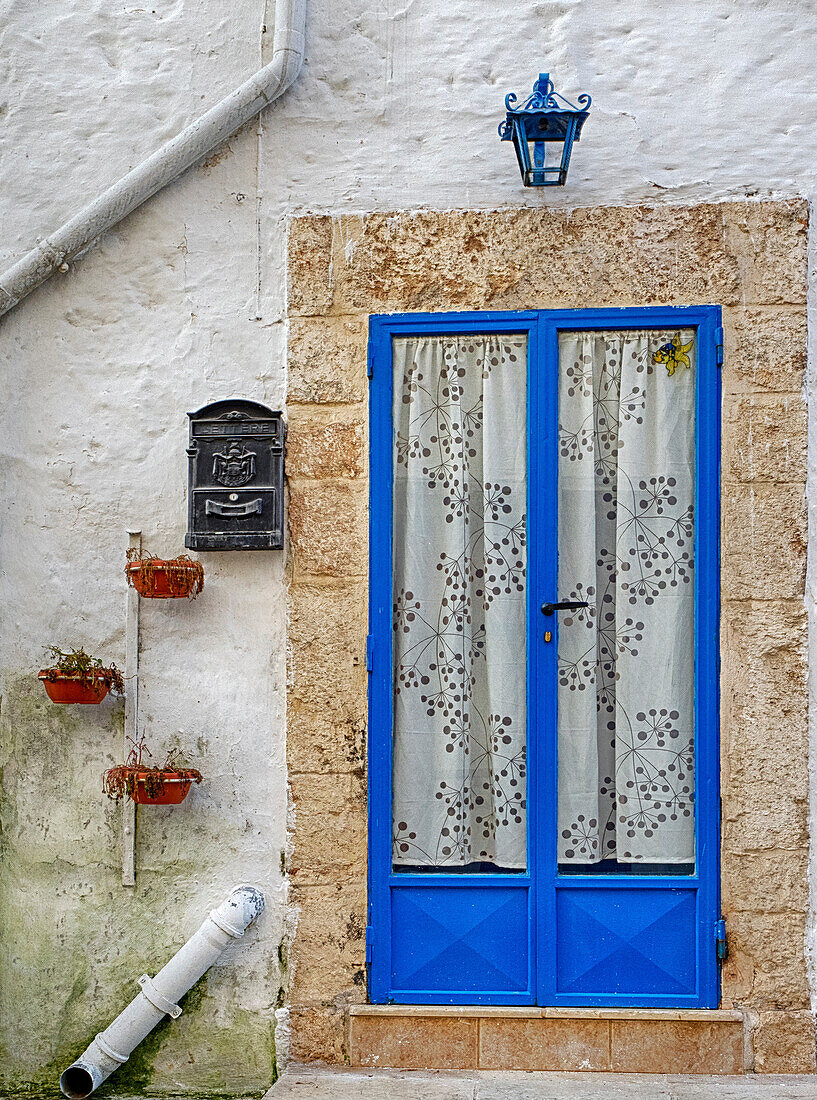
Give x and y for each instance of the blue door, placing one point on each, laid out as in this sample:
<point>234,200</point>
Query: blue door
<point>543,657</point>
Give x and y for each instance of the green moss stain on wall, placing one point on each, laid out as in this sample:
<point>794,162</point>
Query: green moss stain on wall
<point>206,1046</point>
<point>73,941</point>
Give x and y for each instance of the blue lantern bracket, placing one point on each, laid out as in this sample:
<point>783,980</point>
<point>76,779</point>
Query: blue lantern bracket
<point>545,119</point>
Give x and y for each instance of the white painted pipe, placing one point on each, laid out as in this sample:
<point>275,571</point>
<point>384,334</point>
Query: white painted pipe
<point>194,143</point>
<point>158,996</point>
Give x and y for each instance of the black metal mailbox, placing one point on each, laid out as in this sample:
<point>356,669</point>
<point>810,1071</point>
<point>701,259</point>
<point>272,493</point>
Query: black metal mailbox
<point>236,478</point>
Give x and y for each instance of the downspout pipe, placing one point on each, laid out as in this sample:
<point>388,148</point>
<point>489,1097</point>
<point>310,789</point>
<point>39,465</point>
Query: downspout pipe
<point>193,144</point>
<point>158,996</point>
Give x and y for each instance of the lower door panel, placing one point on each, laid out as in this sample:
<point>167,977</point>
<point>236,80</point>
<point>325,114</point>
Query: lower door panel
<point>461,944</point>
<point>626,942</point>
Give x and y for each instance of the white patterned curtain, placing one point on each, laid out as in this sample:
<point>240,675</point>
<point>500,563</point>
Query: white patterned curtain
<point>626,665</point>
<point>459,602</point>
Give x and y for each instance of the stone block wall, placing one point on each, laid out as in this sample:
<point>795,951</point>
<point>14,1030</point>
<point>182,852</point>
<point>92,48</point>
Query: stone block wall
<point>748,257</point>
<point>764,728</point>
<point>326,725</point>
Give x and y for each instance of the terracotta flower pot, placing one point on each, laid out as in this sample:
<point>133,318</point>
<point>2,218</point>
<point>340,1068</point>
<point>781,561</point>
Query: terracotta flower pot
<point>72,687</point>
<point>155,579</point>
<point>173,788</point>
<point>167,785</point>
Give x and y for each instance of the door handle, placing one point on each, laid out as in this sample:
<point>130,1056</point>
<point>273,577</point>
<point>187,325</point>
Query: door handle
<point>565,605</point>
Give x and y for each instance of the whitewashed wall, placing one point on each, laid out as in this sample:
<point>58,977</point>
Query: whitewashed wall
<point>397,108</point>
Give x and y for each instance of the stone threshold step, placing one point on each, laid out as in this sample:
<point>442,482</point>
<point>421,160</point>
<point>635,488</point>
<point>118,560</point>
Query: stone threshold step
<point>413,1037</point>
<point>302,1082</point>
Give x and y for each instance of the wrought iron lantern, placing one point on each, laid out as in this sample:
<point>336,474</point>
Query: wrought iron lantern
<point>543,130</point>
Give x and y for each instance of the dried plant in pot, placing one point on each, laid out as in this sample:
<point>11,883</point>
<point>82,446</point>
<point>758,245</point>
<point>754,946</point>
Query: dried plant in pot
<point>164,578</point>
<point>77,677</point>
<point>147,784</point>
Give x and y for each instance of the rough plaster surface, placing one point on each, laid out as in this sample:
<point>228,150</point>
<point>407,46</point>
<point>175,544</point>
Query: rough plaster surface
<point>211,675</point>
<point>98,373</point>
<point>749,256</point>
<point>396,108</point>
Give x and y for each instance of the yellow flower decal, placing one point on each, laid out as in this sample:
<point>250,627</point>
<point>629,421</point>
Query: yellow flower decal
<point>673,354</point>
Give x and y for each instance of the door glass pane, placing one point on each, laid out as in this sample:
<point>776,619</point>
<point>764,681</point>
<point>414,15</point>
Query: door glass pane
<point>626,546</point>
<point>459,603</point>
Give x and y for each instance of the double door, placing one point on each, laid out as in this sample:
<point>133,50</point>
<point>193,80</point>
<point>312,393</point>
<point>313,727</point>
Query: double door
<point>543,658</point>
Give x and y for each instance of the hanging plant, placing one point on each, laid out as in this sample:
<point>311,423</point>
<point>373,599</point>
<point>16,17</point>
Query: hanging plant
<point>146,784</point>
<point>76,677</point>
<point>164,579</point>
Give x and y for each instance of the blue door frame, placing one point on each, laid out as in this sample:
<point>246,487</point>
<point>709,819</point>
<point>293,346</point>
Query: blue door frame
<point>536,923</point>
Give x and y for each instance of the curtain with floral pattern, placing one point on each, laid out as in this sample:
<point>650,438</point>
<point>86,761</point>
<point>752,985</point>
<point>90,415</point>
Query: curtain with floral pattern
<point>626,546</point>
<point>459,788</point>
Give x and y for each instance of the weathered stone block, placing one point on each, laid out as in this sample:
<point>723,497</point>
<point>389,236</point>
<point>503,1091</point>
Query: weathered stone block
<point>329,794</point>
<point>329,955</point>
<point>765,438</point>
<point>327,360</point>
<point>675,1046</point>
<point>319,741</point>
<point>330,829</point>
<point>762,758</point>
<point>764,710</point>
<point>328,648</point>
<point>764,541</point>
<point>412,1042</point>
<point>766,882</point>
<point>764,349</point>
<point>319,448</point>
<point>328,529</point>
<point>672,255</point>
<point>544,1045</point>
<point>766,967</point>
<point>769,240</point>
<point>318,1034</point>
<point>423,262</point>
<point>310,265</point>
<point>784,1042</point>
<point>779,822</point>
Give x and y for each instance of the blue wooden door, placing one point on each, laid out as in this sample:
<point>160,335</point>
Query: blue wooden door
<point>576,887</point>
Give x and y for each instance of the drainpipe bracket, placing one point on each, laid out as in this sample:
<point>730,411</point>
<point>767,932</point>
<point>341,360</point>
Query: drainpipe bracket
<point>152,994</point>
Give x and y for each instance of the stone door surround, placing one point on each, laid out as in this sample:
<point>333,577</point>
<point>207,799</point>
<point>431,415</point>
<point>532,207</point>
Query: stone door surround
<point>749,257</point>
